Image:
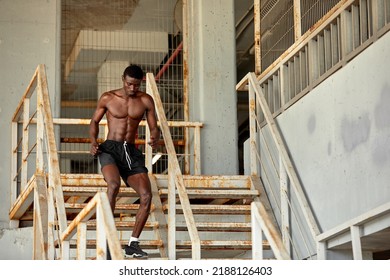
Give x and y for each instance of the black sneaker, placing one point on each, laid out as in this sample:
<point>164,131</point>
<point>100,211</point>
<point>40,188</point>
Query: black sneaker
<point>134,250</point>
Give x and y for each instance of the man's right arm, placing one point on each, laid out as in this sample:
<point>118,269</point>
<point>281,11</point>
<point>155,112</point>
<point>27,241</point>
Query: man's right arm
<point>94,124</point>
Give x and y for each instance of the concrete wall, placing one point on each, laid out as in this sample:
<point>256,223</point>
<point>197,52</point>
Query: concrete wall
<point>29,35</point>
<point>338,137</point>
<point>212,80</point>
<point>16,244</point>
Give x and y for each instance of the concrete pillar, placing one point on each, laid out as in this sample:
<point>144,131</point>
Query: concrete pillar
<point>212,80</point>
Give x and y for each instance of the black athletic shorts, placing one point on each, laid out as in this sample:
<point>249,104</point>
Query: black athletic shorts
<point>126,157</point>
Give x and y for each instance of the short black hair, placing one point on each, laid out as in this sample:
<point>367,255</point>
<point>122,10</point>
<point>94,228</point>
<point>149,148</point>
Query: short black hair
<point>134,71</point>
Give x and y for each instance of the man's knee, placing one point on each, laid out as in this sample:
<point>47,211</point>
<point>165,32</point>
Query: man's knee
<point>146,199</point>
<point>113,187</point>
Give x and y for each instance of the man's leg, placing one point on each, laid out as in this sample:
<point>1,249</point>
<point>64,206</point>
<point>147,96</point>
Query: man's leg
<point>113,180</point>
<point>141,184</point>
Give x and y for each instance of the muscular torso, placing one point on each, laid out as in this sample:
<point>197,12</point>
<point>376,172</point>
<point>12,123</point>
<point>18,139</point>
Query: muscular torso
<point>124,115</point>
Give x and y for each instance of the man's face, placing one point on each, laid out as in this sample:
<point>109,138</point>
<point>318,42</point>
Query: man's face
<point>131,85</point>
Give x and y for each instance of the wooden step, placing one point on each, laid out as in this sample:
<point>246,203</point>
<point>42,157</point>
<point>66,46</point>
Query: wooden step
<point>144,244</point>
<point>119,208</point>
<point>221,245</point>
<point>124,225</point>
<point>214,194</point>
<point>91,191</point>
<point>214,209</point>
<point>218,227</point>
<point>207,181</point>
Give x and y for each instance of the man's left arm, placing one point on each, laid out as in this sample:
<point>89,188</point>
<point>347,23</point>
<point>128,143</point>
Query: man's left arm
<point>152,123</point>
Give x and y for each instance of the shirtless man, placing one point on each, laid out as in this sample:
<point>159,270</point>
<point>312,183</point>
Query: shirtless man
<point>118,156</point>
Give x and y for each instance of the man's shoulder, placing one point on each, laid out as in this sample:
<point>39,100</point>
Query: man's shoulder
<point>108,95</point>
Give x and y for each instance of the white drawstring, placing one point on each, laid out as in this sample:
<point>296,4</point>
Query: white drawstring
<point>128,158</point>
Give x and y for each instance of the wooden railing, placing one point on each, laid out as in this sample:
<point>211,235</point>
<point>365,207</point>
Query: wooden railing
<point>286,170</point>
<point>105,227</point>
<point>195,127</point>
<point>36,178</point>
<point>43,164</point>
<point>175,181</point>
<point>261,224</point>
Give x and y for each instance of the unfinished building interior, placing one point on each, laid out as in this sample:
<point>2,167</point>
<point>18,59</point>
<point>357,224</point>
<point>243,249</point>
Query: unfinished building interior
<point>273,115</point>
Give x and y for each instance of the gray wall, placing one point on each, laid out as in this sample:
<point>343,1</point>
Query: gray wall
<point>212,81</point>
<point>28,37</point>
<point>338,136</point>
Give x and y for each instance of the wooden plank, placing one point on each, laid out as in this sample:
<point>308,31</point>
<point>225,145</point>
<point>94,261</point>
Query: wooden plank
<point>27,94</point>
<point>83,216</point>
<point>297,20</point>
<point>25,143</point>
<point>216,209</point>
<point>232,194</point>
<point>14,162</point>
<point>24,200</point>
<point>257,35</point>
<point>91,191</point>
<point>40,219</point>
<point>220,244</point>
<point>106,229</point>
<point>81,241</point>
<point>119,208</point>
<point>157,214</point>
<point>211,226</point>
<point>125,225</point>
<point>174,166</point>
<point>210,182</point>
<point>271,233</point>
<point>53,161</point>
<point>145,244</point>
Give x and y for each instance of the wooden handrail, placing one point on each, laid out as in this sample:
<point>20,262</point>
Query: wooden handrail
<point>175,180</point>
<point>49,206</point>
<point>105,226</point>
<point>285,158</point>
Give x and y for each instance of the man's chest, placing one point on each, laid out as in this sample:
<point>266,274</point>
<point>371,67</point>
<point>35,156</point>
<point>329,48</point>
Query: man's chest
<point>126,108</point>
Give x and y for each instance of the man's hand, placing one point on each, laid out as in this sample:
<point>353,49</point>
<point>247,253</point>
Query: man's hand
<point>95,149</point>
<point>153,142</point>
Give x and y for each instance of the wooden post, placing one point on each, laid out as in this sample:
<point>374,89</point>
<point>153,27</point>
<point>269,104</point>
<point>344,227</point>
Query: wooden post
<point>253,134</point>
<point>297,20</point>
<point>284,209</point>
<point>257,23</point>
<point>40,219</point>
<point>304,204</point>
<point>185,33</point>
<point>257,235</point>
<point>197,161</point>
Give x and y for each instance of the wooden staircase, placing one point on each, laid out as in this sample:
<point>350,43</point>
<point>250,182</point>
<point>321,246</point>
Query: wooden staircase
<point>204,217</point>
<point>220,204</point>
